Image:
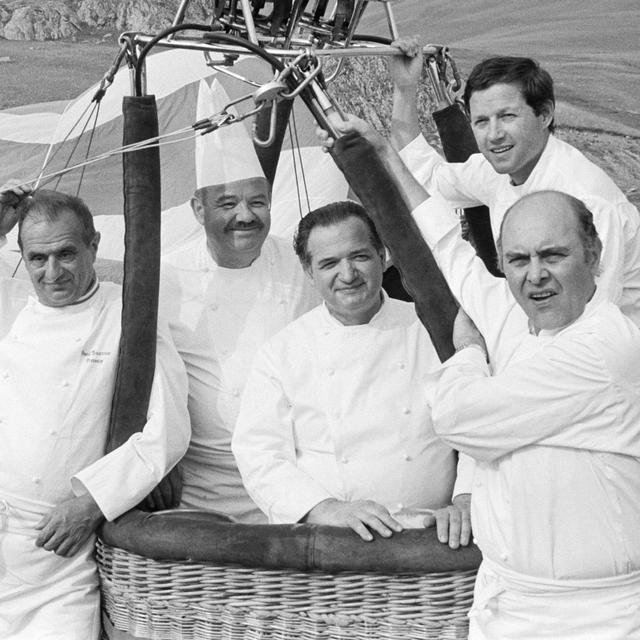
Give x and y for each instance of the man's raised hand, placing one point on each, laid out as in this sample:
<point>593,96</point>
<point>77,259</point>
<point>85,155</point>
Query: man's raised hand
<point>11,195</point>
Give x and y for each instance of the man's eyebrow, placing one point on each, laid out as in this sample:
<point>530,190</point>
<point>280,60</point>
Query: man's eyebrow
<point>516,254</point>
<point>224,196</point>
<point>556,248</point>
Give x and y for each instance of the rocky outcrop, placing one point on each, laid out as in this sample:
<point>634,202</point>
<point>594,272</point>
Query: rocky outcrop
<point>46,21</point>
<point>56,19</point>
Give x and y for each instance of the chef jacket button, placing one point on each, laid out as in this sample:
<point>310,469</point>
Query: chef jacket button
<point>5,374</point>
<point>235,393</point>
<point>407,457</point>
<point>406,411</point>
<point>331,372</point>
<point>53,432</point>
<point>477,483</point>
<point>65,383</point>
<point>78,339</point>
<point>213,307</point>
<point>401,365</point>
<point>327,332</point>
<point>400,506</point>
<point>14,337</point>
<point>504,555</point>
<point>282,301</point>
<point>344,460</point>
<point>36,480</point>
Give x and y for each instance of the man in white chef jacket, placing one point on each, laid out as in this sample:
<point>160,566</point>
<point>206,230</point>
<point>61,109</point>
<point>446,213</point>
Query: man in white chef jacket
<point>555,430</point>
<point>58,357</point>
<point>225,294</point>
<point>334,427</point>
<point>511,104</point>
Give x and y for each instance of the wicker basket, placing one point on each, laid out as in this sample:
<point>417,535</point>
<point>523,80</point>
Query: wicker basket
<point>167,600</point>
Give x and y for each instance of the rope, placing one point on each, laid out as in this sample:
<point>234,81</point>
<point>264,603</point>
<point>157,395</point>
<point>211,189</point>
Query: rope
<point>296,148</point>
<point>93,131</point>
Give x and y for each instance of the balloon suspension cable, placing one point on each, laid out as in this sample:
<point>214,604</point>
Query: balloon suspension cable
<point>295,151</point>
<point>201,127</point>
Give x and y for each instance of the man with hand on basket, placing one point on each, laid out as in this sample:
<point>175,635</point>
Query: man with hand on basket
<point>334,427</point>
<point>58,360</point>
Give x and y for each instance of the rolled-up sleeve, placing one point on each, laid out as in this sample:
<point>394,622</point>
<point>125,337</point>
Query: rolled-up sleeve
<point>122,478</point>
<point>463,184</point>
<point>264,447</point>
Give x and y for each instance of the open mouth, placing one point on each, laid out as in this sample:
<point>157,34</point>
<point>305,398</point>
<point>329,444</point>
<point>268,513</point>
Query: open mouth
<point>542,296</point>
<point>501,150</point>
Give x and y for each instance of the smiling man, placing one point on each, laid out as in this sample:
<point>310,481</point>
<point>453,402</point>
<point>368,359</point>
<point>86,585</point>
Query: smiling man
<point>334,427</point>
<point>225,294</point>
<point>555,431</point>
<point>58,361</point>
<point>511,104</point>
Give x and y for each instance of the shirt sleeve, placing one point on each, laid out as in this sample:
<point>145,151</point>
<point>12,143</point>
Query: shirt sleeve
<point>486,299</point>
<point>463,184</point>
<point>264,447</point>
<point>464,475</point>
<point>562,396</point>
<point>125,476</point>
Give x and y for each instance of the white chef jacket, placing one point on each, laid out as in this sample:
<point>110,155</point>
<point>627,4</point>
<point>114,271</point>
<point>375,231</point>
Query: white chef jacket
<point>57,371</point>
<point>556,436</point>
<point>561,167</point>
<point>338,411</point>
<point>219,318</point>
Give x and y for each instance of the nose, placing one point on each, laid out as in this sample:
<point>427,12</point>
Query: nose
<point>537,272</point>
<point>243,213</point>
<point>495,129</point>
<point>348,272</point>
<point>52,270</point>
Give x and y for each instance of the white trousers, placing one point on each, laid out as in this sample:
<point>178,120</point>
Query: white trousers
<point>511,606</point>
<point>44,596</point>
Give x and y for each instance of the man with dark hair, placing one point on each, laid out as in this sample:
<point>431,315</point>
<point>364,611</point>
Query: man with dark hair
<point>553,424</point>
<point>58,359</point>
<point>511,105</point>
<point>333,426</point>
<point>225,293</point>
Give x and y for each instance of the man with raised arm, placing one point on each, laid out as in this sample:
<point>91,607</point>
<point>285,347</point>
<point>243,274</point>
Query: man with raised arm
<point>334,427</point>
<point>59,340</point>
<point>225,294</point>
<point>511,104</point>
<point>555,430</point>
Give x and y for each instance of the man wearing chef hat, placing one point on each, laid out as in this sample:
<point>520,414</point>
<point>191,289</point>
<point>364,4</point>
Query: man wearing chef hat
<point>225,294</point>
<point>58,359</point>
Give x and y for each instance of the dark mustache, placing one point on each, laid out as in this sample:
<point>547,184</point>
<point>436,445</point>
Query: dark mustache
<point>238,225</point>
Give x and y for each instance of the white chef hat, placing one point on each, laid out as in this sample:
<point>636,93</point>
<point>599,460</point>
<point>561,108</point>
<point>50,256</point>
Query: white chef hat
<point>227,154</point>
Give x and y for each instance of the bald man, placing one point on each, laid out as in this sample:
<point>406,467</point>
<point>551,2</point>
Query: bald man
<point>555,431</point>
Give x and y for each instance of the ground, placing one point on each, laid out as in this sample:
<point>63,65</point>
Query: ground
<point>590,49</point>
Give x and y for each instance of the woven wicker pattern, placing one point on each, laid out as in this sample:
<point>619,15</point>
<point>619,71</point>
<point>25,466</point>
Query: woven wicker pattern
<point>184,601</point>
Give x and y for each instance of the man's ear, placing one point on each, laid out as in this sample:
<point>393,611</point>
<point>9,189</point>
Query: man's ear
<point>95,243</point>
<point>548,111</point>
<point>593,257</point>
<point>198,209</point>
<point>307,271</point>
